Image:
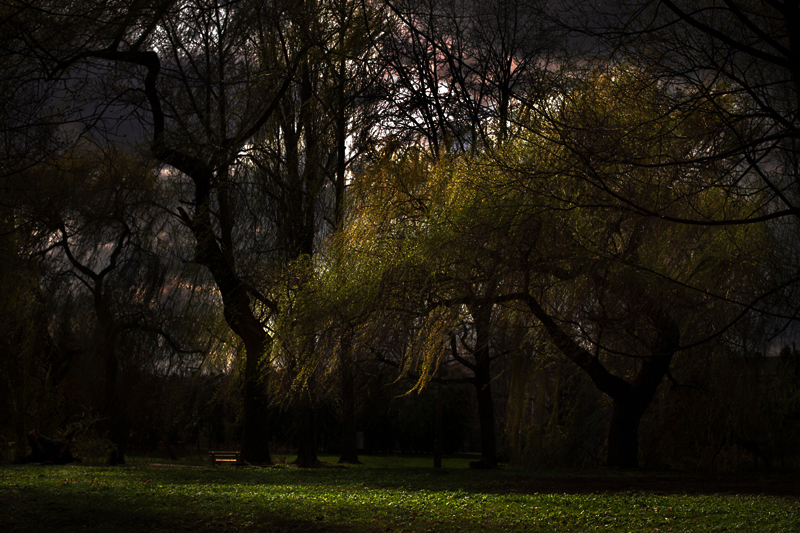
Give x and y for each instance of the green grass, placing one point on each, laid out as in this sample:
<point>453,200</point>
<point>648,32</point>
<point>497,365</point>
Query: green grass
<point>385,494</point>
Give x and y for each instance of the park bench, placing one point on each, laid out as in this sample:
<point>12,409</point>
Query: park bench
<point>229,457</point>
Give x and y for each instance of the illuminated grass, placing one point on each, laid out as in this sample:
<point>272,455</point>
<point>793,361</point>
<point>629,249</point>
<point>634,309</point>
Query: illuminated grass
<point>364,498</point>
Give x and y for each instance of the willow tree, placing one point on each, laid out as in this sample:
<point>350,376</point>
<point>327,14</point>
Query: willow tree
<point>30,357</point>
<point>102,285</point>
<point>177,74</point>
<point>402,275</point>
<point>641,288</point>
<point>457,69</point>
<point>299,164</point>
<point>230,98</point>
<point>710,52</point>
<point>617,293</point>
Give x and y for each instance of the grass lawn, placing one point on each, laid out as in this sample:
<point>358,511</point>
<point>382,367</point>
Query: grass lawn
<point>386,494</point>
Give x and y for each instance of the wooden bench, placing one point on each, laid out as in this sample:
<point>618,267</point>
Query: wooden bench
<point>229,457</point>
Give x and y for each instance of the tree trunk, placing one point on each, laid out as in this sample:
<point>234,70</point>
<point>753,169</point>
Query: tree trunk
<point>20,399</point>
<point>349,451</point>
<point>212,252</point>
<point>483,377</point>
<point>255,434</point>
<point>115,417</point>
<point>630,399</point>
<point>486,417</point>
<point>112,409</point>
<point>240,318</point>
<point>306,430</point>
<point>623,435</point>
<point>630,406</point>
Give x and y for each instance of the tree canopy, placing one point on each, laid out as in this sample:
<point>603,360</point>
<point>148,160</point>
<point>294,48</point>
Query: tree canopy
<point>326,197</point>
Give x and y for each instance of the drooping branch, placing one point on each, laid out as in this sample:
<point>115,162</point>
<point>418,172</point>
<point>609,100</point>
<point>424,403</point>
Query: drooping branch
<point>608,383</point>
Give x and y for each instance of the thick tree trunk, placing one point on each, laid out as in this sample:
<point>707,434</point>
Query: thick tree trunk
<point>630,399</point>
<point>115,417</point>
<point>216,254</point>
<point>240,318</point>
<point>113,408</point>
<point>255,434</point>
<point>631,404</point>
<point>306,431</point>
<point>623,435</point>
<point>486,417</point>
<point>483,377</point>
<point>349,452</point>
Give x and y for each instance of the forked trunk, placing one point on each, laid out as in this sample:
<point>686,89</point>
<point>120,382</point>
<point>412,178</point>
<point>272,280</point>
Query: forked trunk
<point>630,399</point>
<point>630,404</point>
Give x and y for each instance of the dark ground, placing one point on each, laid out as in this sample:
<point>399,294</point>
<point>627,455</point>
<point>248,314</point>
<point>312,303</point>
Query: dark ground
<point>668,483</point>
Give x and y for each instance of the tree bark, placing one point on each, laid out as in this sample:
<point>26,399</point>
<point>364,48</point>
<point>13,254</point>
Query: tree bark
<point>630,399</point>
<point>239,317</point>
<point>209,251</point>
<point>306,417</point>
<point>349,451</point>
<point>255,433</point>
<point>112,408</point>
<point>115,418</point>
<point>486,416</point>
<point>482,316</point>
<point>631,404</point>
<point>108,333</point>
<point>623,435</point>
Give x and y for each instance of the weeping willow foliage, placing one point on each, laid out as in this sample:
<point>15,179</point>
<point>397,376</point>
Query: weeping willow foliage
<point>594,210</point>
<point>370,285</point>
<point>637,210</point>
